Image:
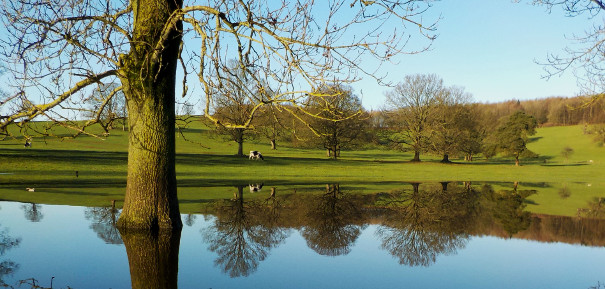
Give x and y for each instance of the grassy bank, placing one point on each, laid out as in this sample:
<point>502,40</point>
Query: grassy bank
<point>204,161</point>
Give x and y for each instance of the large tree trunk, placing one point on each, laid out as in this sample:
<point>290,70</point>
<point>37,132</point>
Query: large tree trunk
<point>273,144</point>
<point>446,158</point>
<point>239,139</point>
<point>151,192</point>
<point>416,156</point>
<point>516,160</point>
<point>333,152</point>
<point>240,148</point>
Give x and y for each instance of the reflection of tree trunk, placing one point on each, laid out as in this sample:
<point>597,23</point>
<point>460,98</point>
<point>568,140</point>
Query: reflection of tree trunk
<point>153,258</point>
<point>332,189</point>
<point>467,185</point>
<point>273,192</point>
<point>239,195</point>
<point>415,187</point>
<point>444,186</point>
<point>416,156</point>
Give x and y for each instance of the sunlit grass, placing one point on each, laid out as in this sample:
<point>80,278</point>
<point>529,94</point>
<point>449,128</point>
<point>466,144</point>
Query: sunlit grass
<point>205,160</point>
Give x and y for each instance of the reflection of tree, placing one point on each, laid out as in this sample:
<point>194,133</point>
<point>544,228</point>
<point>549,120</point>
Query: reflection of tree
<point>33,212</point>
<point>242,235</point>
<point>7,267</point>
<point>335,221</point>
<point>190,219</point>
<point>427,223</point>
<point>104,220</point>
<point>596,209</point>
<point>153,258</point>
<point>508,208</point>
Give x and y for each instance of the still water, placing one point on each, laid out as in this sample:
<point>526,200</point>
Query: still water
<point>432,237</point>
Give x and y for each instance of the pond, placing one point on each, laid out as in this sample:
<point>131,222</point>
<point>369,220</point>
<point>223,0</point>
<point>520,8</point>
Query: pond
<point>323,236</point>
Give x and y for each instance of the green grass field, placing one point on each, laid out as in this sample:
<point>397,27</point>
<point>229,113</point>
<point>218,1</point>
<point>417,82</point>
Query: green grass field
<point>207,169</point>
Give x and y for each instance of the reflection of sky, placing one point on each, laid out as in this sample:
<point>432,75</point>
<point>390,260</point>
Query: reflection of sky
<point>83,260</point>
<point>64,246</point>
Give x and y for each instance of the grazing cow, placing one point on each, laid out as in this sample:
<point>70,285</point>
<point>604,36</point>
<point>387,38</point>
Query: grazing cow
<point>30,189</point>
<point>255,187</point>
<point>27,144</point>
<point>255,155</point>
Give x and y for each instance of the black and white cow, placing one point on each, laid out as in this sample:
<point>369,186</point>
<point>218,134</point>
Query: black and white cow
<point>255,155</point>
<point>27,144</point>
<point>255,187</point>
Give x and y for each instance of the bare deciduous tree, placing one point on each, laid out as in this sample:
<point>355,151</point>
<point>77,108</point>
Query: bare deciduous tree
<point>234,106</point>
<point>413,103</point>
<point>57,50</point>
<point>450,123</point>
<point>586,57</point>
<point>338,119</point>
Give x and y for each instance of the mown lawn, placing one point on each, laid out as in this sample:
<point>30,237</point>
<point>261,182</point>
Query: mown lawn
<point>205,161</point>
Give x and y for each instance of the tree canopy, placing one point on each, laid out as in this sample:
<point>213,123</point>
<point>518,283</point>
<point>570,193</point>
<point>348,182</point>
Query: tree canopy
<point>513,134</point>
<point>57,51</point>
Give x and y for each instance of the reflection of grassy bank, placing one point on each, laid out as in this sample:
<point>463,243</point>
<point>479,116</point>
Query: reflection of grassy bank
<point>195,199</point>
<point>50,167</point>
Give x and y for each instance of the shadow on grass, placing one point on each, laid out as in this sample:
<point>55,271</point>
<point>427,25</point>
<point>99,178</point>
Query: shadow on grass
<point>564,165</point>
<point>232,160</point>
<point>66,156</point>
<point>534,139</point>
<point>541,160</point>
<point>64,183</point>
<point>195,130</point>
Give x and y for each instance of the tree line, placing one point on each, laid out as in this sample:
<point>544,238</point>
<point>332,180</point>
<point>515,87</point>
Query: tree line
<point>57,51</point>
<point>421,115</point>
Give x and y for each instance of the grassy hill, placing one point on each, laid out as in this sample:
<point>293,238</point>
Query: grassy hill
<point>205,161</point>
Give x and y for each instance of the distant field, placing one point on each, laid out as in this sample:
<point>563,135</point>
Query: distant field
<point>208,161</point>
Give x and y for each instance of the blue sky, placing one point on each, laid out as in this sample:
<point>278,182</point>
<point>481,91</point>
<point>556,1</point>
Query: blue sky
<point>491,48</point>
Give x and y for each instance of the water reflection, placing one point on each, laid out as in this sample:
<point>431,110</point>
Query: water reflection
<point>422,225</point>
<point>507,207</point>
<point>190,220</point>
<point>243,233</point>
<point>415,225</point>
<point>153,258</point>
<point>333,221</point>
<point>104,221</point>
<point>595,209</point>
<point>33,212</point>
<point>7,267</point>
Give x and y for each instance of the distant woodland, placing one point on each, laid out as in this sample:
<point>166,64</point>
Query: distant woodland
<point>553,111</point>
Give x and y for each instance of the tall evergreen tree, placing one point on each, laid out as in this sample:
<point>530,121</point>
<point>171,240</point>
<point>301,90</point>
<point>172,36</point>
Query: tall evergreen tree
<point>512,136</point>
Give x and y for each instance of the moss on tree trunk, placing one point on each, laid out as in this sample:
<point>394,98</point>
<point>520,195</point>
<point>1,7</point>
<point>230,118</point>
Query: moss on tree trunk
<point>151,192</point>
